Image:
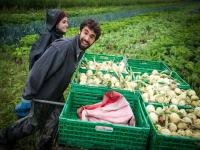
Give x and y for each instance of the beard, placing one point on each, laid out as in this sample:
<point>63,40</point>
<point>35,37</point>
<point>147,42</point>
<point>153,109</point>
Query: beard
<point>84,44</point>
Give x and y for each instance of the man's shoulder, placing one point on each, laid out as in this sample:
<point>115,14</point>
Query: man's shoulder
<point>66,42</point>
<point>63,41</point>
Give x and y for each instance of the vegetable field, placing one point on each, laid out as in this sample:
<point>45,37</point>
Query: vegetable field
<point>171,36</point>
<point>68,3</point>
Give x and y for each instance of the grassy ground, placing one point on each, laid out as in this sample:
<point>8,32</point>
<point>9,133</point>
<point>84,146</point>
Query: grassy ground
<point>13,76</point>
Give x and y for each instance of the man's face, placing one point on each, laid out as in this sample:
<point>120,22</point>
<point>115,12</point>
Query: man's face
<point>87,38</point>
<point>63,25</point>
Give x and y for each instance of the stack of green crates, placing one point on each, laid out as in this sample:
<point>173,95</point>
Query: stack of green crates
<point>75,132</point>
<point>133,65</point>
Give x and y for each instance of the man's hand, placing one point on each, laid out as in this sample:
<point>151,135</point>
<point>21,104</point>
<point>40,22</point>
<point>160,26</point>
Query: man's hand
<point>23,108</point>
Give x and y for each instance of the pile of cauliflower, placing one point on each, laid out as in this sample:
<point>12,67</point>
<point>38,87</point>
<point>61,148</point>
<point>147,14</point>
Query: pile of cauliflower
<point>155,87</point>
<point>105,65</point>
<point>163,89</point>
<point>97,78</point>
<point>170,120</point>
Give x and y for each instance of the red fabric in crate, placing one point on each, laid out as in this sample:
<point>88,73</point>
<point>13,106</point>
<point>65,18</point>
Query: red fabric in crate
<point>114,108</point>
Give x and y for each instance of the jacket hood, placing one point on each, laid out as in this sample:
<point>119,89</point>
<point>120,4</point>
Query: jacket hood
<point>52,16</point>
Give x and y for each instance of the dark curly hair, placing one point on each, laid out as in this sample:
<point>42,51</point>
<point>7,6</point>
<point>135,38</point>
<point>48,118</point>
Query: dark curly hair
<point>93,25</point>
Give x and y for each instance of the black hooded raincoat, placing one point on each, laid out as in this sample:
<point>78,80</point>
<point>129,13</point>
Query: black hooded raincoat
<point>46,38</point>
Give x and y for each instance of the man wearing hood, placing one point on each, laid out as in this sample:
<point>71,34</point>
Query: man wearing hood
<point>56,24</point>
<point>47,80</point>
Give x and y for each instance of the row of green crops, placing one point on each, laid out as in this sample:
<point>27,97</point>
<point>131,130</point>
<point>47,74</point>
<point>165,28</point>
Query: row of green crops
<point>27,4</point>
<point>12,34</point>
<point>16,16</point>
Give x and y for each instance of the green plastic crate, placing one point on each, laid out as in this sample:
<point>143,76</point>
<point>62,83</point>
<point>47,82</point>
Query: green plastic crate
<point>182,83</point>
<point>137,65</point>
<point>147,65</point>
<point>101,58</point>
<point>101,90</point>
<point>159,141</point>
<point>74,132</point>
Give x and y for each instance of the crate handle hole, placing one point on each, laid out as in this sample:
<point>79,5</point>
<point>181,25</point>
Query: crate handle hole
<point>103,128</point>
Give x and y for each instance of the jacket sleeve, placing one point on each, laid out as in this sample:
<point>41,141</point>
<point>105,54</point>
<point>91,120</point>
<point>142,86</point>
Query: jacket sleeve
<point>38,48</point>
<point>49,63</point>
